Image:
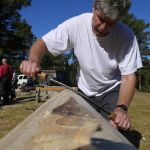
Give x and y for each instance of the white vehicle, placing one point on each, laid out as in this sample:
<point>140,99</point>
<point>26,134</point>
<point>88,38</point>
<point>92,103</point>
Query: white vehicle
<point>22,79</point>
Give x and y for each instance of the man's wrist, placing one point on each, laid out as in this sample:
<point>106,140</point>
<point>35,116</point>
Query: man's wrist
<point>32,60</point>
<point>123,107</point>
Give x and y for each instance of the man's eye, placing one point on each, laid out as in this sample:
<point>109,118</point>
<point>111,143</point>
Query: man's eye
<point>101,19</point>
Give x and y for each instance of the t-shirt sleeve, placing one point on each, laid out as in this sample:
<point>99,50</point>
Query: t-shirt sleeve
<point>131,60</point>
<point>61,38</point>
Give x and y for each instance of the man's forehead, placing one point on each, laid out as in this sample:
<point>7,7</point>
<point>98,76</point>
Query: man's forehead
<point>104,17</point>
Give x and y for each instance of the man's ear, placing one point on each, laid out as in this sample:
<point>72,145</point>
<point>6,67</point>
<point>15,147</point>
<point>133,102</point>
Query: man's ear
<point>94,6</point>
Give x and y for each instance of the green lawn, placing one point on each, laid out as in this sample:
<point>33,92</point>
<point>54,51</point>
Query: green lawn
<point>12,115</point>
<point>140,116</point>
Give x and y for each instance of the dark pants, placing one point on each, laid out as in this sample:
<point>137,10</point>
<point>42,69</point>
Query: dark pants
<point>5,89</point>
<point>107,101</point>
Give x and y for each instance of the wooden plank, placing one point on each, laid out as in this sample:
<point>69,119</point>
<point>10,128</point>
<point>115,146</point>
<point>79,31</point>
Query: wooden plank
<point>50,88</point>
<point>65,122</point>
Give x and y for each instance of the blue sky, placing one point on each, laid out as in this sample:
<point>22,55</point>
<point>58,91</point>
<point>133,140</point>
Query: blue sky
<point>44,15</point>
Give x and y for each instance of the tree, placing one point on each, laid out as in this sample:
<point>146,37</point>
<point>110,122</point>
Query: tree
<point>141,30</point>
<point>15,34</point>
<point>53,62</point>
<point>143,79</point>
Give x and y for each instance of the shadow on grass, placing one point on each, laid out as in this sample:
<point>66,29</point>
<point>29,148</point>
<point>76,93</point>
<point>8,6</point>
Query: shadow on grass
<point>133,136</point>
<point>25,99</point>
<point>18,101</point>
<point>103,144</point>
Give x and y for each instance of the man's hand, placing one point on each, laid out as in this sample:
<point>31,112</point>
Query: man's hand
<point>122,120</point>
<point>29,68</point>
<point>126,93</point>
<point>32,66</point>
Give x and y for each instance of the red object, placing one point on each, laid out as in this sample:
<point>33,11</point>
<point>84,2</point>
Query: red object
<point>4,70</point>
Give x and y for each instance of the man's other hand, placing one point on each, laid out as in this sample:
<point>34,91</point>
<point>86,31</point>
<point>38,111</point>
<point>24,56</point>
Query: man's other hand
<point>122,120</point>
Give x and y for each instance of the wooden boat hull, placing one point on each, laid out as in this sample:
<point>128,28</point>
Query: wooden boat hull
<point>65,122</point>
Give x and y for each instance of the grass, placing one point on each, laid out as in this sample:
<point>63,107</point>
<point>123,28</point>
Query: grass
<point>140,116</point>
<point>11,116</point>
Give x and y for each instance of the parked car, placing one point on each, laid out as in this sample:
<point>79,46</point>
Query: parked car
<point>26,83</point>
<point>22,79</point>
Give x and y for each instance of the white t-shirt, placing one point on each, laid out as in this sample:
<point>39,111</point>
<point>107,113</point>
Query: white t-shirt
<point>102,61</point>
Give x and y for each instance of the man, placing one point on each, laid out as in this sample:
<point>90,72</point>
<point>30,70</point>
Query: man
<point>5,80</point>
<point>107,52</point>
<point>7,68</point>
<point>1,75</point>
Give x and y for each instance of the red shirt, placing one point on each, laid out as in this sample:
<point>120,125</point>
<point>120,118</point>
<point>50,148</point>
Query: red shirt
<point>1,71</point>
<point>4,69</point>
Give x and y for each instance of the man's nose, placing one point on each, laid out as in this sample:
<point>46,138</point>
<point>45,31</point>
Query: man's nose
<point>104,26</point>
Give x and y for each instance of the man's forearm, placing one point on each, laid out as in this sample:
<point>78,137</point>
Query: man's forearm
<point>127,89</point>
<point>37,51</point>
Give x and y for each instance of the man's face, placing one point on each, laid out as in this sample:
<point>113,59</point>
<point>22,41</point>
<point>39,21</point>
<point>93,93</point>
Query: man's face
<point>101,24</point>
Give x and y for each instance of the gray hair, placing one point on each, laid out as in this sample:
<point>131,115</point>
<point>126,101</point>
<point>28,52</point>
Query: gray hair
<point>4,60</point>
<point>114,9</point>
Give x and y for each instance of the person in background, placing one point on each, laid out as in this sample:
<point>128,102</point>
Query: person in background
<point>107,52</point>
<point>1,86</point>
<point>5,80</point>
<point>1,70</point>
<point>7,67</point>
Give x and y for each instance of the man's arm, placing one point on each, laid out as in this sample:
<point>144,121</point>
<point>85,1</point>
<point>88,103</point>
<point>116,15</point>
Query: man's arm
<point>32,66</point>
<point>126,93</point>
<point>127,89</point>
